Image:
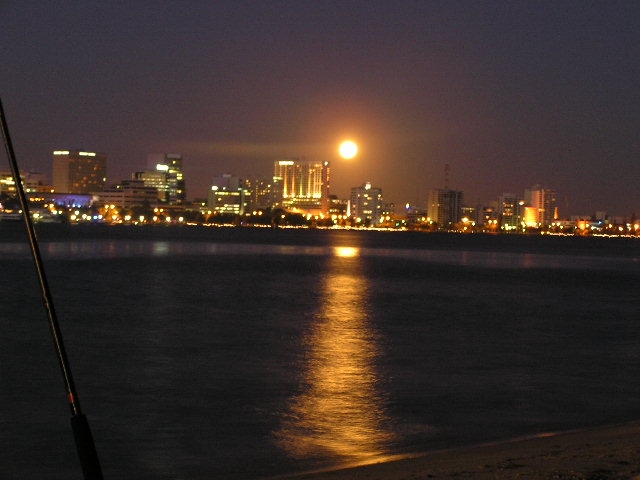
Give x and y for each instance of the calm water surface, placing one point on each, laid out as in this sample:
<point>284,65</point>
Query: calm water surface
<point>202,354</point>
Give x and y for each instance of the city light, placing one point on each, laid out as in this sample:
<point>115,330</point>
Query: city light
<point>298,196</point>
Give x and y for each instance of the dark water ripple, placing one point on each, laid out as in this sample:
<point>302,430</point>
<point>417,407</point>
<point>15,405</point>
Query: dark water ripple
<point>233,354</point>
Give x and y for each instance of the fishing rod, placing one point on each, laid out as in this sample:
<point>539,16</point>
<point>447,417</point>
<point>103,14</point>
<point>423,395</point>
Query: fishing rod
<point>79,423</point>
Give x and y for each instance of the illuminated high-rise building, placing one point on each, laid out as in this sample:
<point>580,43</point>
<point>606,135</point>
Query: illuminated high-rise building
<point>510,211</point>
<point>77,171</point>
<point>169,164</point>
<point>445,207</point>
<point>302,185</point>
<point>366,204</point>
<point>155,179</point>
<point>227,195</point>
<point>261,192</point>
<point>541,204</point>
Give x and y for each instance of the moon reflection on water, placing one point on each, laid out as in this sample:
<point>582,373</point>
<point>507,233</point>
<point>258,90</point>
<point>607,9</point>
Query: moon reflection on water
<point>340,411</point>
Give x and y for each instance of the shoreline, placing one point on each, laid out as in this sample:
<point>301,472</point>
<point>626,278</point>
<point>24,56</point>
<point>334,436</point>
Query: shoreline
<point>601,453</point>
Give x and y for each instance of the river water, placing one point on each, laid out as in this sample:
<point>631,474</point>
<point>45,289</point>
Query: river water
<point>246,354</point>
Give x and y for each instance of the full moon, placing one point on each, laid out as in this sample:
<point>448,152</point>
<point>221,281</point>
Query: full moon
<point>348,149</point>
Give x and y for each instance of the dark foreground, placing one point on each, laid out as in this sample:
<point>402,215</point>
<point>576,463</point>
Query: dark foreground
<point>605,453</point>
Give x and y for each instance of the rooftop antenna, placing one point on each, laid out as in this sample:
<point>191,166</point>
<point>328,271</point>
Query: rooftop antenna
<point>446,176</point>
<point>79,423</point>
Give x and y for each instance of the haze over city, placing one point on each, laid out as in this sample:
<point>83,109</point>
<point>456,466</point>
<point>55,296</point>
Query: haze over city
<point>508,94</point>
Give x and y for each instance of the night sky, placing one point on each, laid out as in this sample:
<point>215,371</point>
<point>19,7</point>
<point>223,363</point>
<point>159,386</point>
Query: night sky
<point>508,93</point>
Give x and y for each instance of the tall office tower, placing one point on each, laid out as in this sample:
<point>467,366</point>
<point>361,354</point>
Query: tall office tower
<point>445,207</point>
<point>155,179</point>
<point>304,185</point>
<point>76,171</point>
<point>171,164</point>
<point>542,208</point>
<point>366,204</point>
<point>227,195</point>
<point>510,211</point>
<point>260,192</point>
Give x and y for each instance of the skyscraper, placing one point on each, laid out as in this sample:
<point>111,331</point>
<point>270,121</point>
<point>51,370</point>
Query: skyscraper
<point>445,207</point>
<point>227,195</point>
<point>541,203</point>
<point>366,204</point>
<point>171,165</point>
<point>77,171</point>
<point>303,185</point>
<point>511,211</point>
<point>155,179</point>
<point>261,192</point>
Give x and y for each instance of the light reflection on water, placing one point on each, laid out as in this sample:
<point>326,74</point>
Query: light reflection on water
<point>96,249</point>
<point>461,363</point>
<point>340,412</point>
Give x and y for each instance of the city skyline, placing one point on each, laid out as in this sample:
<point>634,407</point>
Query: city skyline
<point>509,94</point>
<point>170,185</point>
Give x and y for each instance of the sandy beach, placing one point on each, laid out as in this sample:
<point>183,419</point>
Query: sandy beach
<point>604,453</point>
